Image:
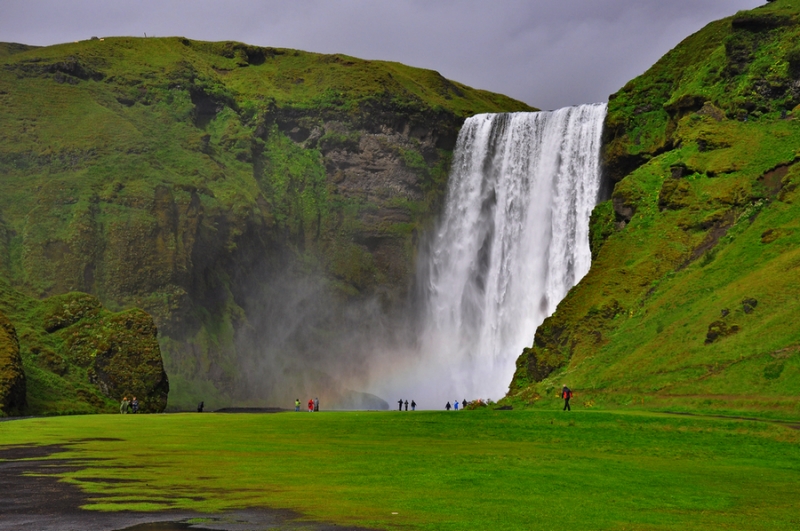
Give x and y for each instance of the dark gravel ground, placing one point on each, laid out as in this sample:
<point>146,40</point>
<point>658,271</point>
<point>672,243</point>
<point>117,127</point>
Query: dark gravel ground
<point>33,499</point>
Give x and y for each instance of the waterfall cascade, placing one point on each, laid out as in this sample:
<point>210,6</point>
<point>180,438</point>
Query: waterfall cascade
<point>513,239</point>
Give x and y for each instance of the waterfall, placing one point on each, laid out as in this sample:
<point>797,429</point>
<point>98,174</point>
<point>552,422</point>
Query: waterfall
<point>513,239</point>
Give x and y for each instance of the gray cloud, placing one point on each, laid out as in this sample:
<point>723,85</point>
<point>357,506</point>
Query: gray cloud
<point>548,53</point>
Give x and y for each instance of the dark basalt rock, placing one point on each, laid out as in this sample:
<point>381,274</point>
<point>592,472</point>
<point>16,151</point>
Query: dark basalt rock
<point>70,70</point>
<point>679,170</point>
<point>749,305</point>
<point>756,22</point>
<point>623,210</point>
<point>718,330</point>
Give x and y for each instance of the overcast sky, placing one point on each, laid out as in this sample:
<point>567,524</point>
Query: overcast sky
<point>548,53</point>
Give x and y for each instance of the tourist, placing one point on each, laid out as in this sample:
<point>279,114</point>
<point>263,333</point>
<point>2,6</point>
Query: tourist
<point>200,407</point>
<point>297,404</point>
<point>464,404</point>
<point>406,403</point>
<point>134,405</point>
<point>310,405</point>
<point>448,406</point>
<point>400,405</point>
<point>316,404</point>
<point>123,407</point>
<point>566,394</point>
<point>455,405</point>
<point>413,406</point>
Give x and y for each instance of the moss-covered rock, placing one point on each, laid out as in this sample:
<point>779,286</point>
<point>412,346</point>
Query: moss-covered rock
<point>120,352</point>
<point>602,224</point>
<point>12,376</point>
<point>77,357</point>
<point>126,359</point>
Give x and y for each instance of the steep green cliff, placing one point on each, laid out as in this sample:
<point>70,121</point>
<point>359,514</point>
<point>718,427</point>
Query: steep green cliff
<point>247,198</point>
<point>692,297</point>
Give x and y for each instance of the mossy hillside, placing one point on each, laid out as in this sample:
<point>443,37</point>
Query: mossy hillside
<point>77,357</point>
<point>691,298</point>
<point>745,65</point>
<point>176,176</point>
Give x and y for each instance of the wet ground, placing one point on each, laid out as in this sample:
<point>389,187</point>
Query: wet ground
<point>33,499</point>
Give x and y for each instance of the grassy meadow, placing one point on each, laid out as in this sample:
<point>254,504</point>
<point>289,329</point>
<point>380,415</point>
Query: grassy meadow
<point>498,470</point>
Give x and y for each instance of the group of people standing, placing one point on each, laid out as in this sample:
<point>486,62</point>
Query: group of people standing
<point>129,406</point>
<point>455,405</point>
<point>400,404</point>
<point>313,404</point>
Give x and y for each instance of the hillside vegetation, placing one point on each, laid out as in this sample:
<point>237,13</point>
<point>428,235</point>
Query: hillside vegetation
<point>228,190</point>
<point>692,298</point>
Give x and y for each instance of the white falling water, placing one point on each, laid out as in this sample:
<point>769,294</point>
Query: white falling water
<point>514,238</point>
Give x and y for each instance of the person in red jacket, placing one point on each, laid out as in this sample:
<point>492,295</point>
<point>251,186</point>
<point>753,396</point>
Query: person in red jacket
<point>566,394</point>
<point>310,405</point>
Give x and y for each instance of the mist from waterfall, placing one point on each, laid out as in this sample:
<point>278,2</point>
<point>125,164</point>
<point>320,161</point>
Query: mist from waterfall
<point>512,240</point>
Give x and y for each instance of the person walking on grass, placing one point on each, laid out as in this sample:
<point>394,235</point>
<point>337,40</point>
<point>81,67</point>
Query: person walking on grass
<point>455,405</point>
<point>123,407</point>
<point>406,404</point>
<point>310,405</point>
<point>400,405</point>
<point>316,404</point>
<point>566,394</point>
<point>413,406</point>
<point>297,404</point>
<point>447,407</point>
<point>134,405</point>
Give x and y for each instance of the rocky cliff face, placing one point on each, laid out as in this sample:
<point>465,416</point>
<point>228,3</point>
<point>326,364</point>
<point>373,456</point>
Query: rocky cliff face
<point>701,153</point>
<point>261,204</point>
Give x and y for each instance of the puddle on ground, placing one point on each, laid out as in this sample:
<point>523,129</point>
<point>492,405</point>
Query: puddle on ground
<point>163,526</point>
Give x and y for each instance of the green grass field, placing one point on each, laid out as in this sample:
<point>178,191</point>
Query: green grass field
<point>492,470</point>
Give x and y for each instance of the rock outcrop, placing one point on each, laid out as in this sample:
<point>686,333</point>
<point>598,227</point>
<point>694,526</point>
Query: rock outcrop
<point>68,354</point>
<point>119,351</point>
<point>12,375</point>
